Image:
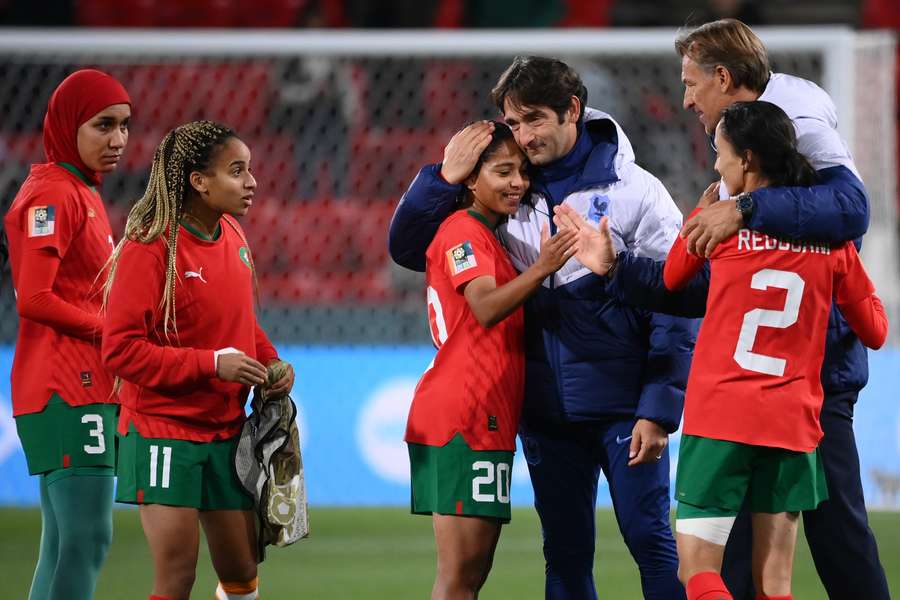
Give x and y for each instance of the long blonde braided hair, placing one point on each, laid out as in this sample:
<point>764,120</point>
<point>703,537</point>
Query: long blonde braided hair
<point>187,148</point>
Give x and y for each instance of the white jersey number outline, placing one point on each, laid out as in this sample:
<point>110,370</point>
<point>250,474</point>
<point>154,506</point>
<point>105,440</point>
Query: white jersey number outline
<point>761,317</point>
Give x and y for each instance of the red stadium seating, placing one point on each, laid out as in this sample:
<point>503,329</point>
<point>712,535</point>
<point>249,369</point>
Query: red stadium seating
<point>189,13</point>
<point>320,252</point>
<point>235,93</point>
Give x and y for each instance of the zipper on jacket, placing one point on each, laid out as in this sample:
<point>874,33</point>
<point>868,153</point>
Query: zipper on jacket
<point>553,351</point>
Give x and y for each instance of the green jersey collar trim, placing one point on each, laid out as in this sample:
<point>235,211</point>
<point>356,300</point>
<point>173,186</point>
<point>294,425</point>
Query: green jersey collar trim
<point>74,171</point>
<point>197,233</point>
<point>481,218</point>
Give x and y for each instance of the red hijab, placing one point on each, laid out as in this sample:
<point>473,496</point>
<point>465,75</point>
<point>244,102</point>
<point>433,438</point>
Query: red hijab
<point>79,97</point>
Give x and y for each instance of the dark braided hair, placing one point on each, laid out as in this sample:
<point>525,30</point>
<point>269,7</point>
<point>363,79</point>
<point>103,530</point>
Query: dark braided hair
<point>765,129</point>
<point>187,148</point>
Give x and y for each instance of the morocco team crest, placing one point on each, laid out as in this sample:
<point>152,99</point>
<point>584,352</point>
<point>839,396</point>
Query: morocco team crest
<point>41,221</point>
<point>460,258</point>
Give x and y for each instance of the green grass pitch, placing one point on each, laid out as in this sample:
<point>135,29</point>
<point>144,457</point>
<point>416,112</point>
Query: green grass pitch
<point>380,553</point>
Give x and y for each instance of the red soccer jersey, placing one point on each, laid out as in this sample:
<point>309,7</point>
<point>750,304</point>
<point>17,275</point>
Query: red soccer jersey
<point>755,376</point>
<point>476,383</point>
<point>57,222</point>
<point>170,389</point>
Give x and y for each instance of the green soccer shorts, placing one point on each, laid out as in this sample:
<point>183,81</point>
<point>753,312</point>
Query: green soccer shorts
<point>63,436</point>
<point>179,473</point>
<point>716,476</point>
<point>455,480</point>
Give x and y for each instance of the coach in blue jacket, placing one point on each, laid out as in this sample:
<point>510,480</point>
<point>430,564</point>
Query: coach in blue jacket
<point>604,381</point>
<point>725,62</point>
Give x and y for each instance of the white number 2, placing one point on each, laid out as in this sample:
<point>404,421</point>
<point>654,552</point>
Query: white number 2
<point>760,317</point>
<point>96,432</point>
<point>167,464</point>
<point>503,480</point>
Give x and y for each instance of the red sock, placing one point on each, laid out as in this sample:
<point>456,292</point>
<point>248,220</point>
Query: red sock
<point>707,586</point>
<point>764,597</point>
<point>152,597</point>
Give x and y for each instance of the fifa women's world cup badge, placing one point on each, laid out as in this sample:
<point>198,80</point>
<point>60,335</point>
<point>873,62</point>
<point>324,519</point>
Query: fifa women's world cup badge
<point>41,221</point>
<point>461,257</point>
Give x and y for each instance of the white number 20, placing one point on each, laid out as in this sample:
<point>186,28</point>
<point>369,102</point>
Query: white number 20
<point>760,317</point>
<point>503,477</point>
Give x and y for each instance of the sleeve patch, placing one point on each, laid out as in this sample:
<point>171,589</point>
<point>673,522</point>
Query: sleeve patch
<point>41,221</point>
<point>460,258</point>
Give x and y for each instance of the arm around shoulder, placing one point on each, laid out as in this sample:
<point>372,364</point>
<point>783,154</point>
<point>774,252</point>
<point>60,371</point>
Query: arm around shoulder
<point>834,210</point>
<point>428,201</point>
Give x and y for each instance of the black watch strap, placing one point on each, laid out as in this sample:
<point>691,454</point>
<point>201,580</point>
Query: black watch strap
<point>744,205</point>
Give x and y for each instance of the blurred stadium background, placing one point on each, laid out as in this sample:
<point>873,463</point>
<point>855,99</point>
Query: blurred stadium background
<point>341,101</point>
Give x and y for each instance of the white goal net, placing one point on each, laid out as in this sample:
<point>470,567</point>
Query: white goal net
<point>339,122</point>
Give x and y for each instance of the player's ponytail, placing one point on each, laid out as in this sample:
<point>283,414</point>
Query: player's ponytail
<point>185,149</point>
<point>765,130</point>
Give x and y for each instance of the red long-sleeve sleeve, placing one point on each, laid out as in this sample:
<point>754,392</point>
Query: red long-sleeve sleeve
<point>680,266</point>
<point>131,348</point>
<point>36,300</point>
<point>868,320</point>
<point>265,350</point>
<point>854,293</point>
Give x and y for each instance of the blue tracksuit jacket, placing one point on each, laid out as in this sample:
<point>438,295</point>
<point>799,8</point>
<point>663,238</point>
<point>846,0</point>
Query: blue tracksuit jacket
<point>589,356</point>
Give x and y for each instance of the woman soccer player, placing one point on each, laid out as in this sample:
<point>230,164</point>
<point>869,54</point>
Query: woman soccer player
<point>181,333</point>
<point>465,413</point>
<point>751,418</point>
<point>59,240</point>
<point>751,422</point>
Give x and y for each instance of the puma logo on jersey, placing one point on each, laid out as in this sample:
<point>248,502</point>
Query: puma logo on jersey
<point>197,274</point>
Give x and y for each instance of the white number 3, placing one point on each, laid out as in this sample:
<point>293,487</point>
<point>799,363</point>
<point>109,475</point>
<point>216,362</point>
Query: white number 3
<point>760,317</point>
<point>96,432</point>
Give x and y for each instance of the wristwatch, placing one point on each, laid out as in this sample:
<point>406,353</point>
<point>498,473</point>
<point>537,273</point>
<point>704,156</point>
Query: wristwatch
<point>744,205</point>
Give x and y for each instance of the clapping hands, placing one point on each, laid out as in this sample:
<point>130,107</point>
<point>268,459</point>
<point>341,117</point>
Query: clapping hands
<point>593,246</point>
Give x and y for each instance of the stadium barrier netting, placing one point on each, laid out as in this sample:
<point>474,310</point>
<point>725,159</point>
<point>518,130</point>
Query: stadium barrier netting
<point>339,123</point>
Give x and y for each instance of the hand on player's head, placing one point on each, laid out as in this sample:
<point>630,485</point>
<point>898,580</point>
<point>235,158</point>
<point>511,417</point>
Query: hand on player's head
<point>462,151</point>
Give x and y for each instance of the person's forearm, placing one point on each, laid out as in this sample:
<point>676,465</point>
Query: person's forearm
<point>422,209</point>
<point>836,210</point>
<point>48,309</point>
<point>868,320</point>
<point>638,282</point>
<point>493,306</point>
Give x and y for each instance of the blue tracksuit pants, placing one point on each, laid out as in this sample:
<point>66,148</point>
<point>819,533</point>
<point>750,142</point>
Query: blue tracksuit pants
<point>565,462</point>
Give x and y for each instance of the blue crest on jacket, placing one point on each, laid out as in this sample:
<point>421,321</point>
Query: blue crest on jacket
<point>599,207</point>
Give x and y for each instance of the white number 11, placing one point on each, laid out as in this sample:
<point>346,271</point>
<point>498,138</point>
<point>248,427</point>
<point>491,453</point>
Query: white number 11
<point>167,464</point>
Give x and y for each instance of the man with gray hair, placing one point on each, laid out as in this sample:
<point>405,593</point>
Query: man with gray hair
<point>723,62</point>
